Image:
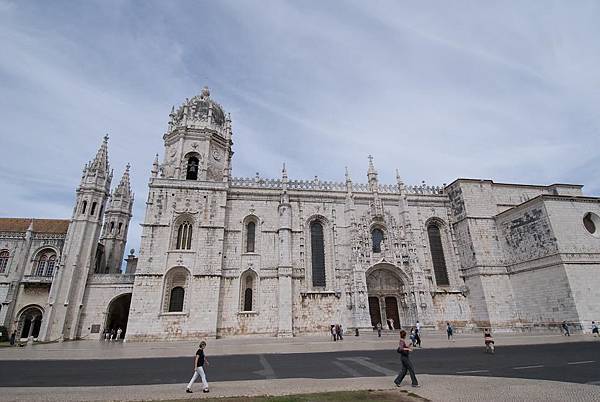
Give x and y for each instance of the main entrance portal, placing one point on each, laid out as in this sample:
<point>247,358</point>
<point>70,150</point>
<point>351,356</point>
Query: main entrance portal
<point>387,297</point>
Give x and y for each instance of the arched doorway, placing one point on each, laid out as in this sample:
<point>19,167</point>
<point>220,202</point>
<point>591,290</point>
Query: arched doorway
<point>388,297</point>
<point>118,313</point>
<point>30,322</point>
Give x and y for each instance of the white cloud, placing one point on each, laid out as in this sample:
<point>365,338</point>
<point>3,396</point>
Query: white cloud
<point>439,90</point>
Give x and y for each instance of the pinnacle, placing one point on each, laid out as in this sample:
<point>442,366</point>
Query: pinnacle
<point>100,162</point>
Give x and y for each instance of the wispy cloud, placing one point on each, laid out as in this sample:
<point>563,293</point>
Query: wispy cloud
<point>507,91</point>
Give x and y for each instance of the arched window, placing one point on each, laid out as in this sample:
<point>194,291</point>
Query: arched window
<point>377,238</point>
<point>317,247</point>
<point>184,236</point>
<point>44,263</point>
<point>50,265</point>
<point>250,236</point>
<point>93,208</point>
<point>176,299</point>
<point>41,265</point>
<point>4,254</point>
<point>112,227</point>
<point>175,289</point>
<point>192,168</point>
<point>437,255</point>
<point>120,228</point>
<point>248,299</point>
<point>83,207</point>
<point>248,282</point>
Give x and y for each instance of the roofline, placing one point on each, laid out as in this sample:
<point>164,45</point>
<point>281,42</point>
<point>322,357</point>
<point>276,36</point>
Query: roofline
<point>578,186</point>
<point>540,197</point>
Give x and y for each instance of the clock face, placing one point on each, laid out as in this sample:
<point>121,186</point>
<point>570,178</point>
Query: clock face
<point>216,154</point>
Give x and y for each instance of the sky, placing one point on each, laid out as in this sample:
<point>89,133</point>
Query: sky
<point>508,91</point>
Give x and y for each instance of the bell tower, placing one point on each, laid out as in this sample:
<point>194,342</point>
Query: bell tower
<point>66,293</point>
<point>198,141</point>
<point>116,225</point>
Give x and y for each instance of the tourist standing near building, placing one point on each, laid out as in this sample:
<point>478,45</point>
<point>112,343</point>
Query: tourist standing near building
<point>450,331</point>
<point>404,350</point>
<point>565,328</point>
<point>379,329</point>
<point>199,362</point>
<point>594,329</point>
<point>119,332</point>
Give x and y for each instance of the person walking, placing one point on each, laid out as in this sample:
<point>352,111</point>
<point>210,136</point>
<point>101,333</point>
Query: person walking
<point>13,338</point>
<point>565,328</point>
<point>339,330</point>
<point>404,350</point>
<point>119,332</point>
<point>333,333</point>
<point>199,362</point>
<point>379,330</point>
<point>594,329</point>
<point>449,331</point>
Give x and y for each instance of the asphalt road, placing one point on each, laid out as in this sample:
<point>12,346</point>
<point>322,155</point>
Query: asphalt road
<point>572,362</point>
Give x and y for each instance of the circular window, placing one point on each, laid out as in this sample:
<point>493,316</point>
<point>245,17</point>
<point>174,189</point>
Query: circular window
<point>591,221</point>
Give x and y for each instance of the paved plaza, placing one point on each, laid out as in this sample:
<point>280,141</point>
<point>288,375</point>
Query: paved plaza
<point>99,370</point>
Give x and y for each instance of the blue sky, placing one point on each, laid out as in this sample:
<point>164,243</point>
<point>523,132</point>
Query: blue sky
<point>439,90</point>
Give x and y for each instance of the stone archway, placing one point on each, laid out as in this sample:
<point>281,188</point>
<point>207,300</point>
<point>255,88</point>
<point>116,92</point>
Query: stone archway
<point>117,313</point>
<point>30,322</point>
<point>388,296</point>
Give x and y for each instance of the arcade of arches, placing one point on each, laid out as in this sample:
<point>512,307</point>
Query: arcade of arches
<point>118,312</point>
<point>388,297</point>
<point>30,322</point>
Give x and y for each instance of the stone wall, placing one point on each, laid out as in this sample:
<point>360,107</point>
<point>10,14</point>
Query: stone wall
<point>101,290</point>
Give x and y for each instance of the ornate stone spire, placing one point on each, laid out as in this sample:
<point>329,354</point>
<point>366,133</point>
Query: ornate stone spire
<point>155,167</point>
<point>372,176</point>
<point>349,194</point>
<point>99,165</point>
<point>285,199</point>
<point>124,188</point>
<point>400,182</point>
<point>376,205</point>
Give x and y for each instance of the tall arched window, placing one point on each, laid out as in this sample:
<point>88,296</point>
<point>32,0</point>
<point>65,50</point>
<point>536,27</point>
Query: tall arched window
<point>248,282</point>
<point>112,227</point>
<point>4,254</point>
<point>377,238</point>
<point>83,207</point>
<point>192,168</point>
<point>50,265</point>
<point>176,299</point>
<point>43,264</point>
<point>248,297</point>
<point>176,282</point>
<point>250,236</point>
<point>93,208</point>
<point>184,236</point>
<point>437,255</point>
<point>317,247</point>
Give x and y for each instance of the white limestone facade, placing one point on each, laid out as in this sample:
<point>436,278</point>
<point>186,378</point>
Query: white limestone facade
<point>226,256</point>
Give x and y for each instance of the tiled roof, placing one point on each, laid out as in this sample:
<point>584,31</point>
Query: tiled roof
<point>39,225</point>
